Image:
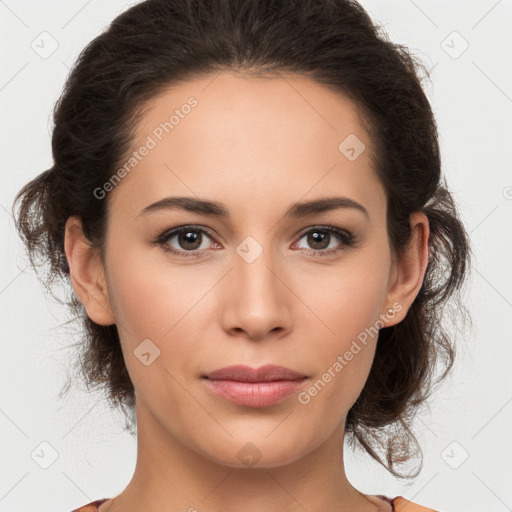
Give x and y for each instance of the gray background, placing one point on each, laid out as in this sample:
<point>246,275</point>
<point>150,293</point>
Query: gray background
<point>467,450</point>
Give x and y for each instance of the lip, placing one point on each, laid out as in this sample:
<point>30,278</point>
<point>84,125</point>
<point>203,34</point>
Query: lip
<point>267,373</point>
<point>259,387</point>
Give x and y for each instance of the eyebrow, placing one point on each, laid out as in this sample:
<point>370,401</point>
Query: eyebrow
<point>220,210</point>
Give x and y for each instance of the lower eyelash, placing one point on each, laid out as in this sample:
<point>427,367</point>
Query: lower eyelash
<point>346,238</point>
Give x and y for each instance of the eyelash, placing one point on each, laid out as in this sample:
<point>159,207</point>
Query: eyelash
<point>346,238</point>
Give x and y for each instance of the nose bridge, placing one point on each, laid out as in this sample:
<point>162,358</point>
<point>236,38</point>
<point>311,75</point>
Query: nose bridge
<point>256,302</point>
<point>255,261</point>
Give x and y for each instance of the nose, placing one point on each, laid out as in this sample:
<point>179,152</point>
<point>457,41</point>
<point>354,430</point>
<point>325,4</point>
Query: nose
<point>258,298</point>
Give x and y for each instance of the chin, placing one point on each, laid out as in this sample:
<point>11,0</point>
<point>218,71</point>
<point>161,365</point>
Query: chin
<point>255,454</point>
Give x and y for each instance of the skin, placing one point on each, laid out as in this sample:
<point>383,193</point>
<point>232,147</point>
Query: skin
<point>257,145</point>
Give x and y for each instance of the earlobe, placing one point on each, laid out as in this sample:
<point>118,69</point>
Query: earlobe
<point>87,273</point>
<point>411,266</point>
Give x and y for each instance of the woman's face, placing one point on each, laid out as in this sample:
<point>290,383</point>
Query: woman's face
<point>257,285</point>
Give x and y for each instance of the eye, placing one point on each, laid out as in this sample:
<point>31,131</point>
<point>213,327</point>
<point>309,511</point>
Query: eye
<point>192,240</point>
<point>189,239</point>
<point>320,238</point>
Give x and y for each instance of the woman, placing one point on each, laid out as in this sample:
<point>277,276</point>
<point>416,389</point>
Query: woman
<point>247,200</point>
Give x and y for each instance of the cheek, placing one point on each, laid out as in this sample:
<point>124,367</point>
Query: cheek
<point>346,325</point>
<point>156,300</point>
<point>148,293</point>
<point>348,299</point>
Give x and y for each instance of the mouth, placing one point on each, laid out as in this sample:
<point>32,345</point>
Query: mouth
<point>260,387</point>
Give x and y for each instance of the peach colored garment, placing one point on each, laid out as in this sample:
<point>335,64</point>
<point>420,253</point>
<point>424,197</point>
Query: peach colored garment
<point>400,504</point>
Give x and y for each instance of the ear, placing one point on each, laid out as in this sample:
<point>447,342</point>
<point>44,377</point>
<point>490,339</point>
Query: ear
<point>87,273</point>
<point>409,270</point>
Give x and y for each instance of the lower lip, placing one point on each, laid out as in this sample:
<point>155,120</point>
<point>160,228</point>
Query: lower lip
<point>254,394</point>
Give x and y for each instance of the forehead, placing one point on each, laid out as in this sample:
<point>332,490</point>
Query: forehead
<point>249,141</point>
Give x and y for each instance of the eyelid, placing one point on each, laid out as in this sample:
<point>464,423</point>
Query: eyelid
<point>324,227</point>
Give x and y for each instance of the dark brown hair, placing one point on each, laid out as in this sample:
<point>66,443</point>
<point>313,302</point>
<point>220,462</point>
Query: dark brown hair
<point>158,43</point>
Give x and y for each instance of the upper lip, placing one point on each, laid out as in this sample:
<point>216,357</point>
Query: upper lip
<point>267,373</point>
